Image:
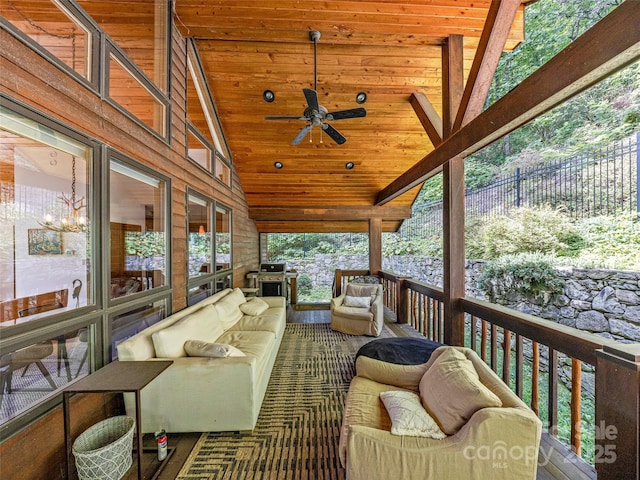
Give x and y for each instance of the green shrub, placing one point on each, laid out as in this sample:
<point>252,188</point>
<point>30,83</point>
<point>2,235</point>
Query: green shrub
<point>541,229</point>
<point>528,273</point>
<point>304,284</point>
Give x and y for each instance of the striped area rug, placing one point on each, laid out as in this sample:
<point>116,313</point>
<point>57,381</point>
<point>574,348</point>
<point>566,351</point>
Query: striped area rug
<point>298,429</point>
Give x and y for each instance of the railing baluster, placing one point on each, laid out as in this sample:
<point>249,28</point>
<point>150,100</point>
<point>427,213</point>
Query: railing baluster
<point>535,374</point>
<point>474,328</point>
<point>425,308</point>
<point>519,364</point>
<point>506,357</point>
<point>483,342</point>
<point>552,425</point>
<point>576,397</point>
<point>494,347</point>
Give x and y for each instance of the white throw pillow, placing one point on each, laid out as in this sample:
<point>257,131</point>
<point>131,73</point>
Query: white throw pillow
<point>198,348</point>
<point>203,324</point>
<point>360,302</point>
<point>408,416</point>
<point>255,306</point>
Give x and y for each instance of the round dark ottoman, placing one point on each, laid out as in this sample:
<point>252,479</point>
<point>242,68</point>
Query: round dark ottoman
<point>399,361</point>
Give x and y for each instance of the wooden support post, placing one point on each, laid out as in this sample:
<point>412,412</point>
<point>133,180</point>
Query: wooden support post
<point>402,292</point>
<point>452,81</point>
<point>617,453</point>
<point>337,288</point>
<point>375,245</point>
<point>453,244</point>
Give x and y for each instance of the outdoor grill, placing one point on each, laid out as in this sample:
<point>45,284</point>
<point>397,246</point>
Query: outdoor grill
<point>272,280</point>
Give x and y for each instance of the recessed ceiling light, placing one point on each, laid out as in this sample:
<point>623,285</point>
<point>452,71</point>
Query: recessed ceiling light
<point>268,96</point>
<point>278,165</point>
<point>349,165</point>
<point>361,97</point>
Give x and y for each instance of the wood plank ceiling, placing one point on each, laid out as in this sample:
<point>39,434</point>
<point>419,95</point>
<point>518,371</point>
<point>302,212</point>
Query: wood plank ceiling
<point>388,50</point>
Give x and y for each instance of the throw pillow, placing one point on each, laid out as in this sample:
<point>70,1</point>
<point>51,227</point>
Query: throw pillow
<point>198,348</point>
<point>451,390</point>
<point>360,302</point>
<point>408,416</point>
<point>362,290</point>
<point>255,306</point>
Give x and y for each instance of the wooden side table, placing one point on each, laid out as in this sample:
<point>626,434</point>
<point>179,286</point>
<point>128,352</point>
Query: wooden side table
<point>115,377</point>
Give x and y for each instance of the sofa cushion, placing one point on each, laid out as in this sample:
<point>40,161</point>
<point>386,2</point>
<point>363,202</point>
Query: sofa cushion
<point>360,302</point>
<point>451,390</point>
<point>354,313</point>
<point>408,416</point>
<point>202,324</point>
<point>254,306</point>
<point>228,308</point>
<point>260,323</point>
<point>198,348</point>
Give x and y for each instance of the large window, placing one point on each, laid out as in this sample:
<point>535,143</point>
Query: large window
<point>200,238</point>
<point>137,228</point>
<point>55,29</point>
<point>141,30</point>
<point>45,221</point>
<point>223,238</point>
<point>206,144</point>
<point>46,268</point>
<point>126,324</point>
<point>209,256</point>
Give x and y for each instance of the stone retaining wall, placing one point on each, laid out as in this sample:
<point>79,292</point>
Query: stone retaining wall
<point>605,302</point>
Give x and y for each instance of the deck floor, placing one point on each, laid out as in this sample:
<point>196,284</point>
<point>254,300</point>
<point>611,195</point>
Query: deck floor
<point>562,464</point>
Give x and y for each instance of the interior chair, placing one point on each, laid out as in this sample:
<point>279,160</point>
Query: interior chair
<point>359,310</point>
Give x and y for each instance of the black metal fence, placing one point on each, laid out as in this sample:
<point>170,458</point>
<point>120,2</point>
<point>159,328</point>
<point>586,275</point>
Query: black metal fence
<point>598,182</point>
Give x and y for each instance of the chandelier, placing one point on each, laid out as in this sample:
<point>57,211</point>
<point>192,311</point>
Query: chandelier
<point>74,221</point>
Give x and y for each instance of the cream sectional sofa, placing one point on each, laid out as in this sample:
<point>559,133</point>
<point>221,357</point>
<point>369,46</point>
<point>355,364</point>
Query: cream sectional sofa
<point>204,394</point>
<point>497,442</point>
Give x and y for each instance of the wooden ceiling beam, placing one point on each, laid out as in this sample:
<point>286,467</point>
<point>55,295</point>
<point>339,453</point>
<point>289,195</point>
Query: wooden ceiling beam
<point>341,213</point>
<point>611,44</point>
<point>492,43</point>
<point>323,227</point>
<point>429,118</point>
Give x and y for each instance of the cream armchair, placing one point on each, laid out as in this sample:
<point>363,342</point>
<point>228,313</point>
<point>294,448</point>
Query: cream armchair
<point>497,443</point>
<point>359,310</point>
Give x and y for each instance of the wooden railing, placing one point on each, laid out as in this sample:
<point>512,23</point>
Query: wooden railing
<point>527,352</point>
<point>342,277</point>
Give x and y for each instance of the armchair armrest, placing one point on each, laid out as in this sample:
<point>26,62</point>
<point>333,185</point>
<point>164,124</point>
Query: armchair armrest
<point>496,443</point>
<point>337,301</point>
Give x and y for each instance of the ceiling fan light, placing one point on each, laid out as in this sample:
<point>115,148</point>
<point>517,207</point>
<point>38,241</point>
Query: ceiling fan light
<point>349,165</point>
<point>278,165</point>
<point>268,96</point>
<point>361,97</point>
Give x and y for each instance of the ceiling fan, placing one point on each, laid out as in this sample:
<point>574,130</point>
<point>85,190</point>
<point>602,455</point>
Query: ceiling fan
<point>315,114</point>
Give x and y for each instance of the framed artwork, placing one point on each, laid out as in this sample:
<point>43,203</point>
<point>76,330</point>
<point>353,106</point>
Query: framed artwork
<point>44,242</point>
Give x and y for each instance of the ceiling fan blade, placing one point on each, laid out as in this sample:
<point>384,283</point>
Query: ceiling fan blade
<point>312,99</point>
<point>351,113</point>
<point>301,134</point>
<point>334,134</point>
<point>285,117</point>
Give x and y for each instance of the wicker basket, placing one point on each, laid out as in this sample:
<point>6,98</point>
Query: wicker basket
<point>103,451</point>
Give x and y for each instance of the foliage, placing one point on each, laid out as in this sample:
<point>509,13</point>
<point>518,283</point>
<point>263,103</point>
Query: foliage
<point>304,284</point>
<point>145,244</point>
<point>529,273</point>
<point>610,242</point>
<point>540,229</point>
<point>394,244</point>
<point>200,245</point>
